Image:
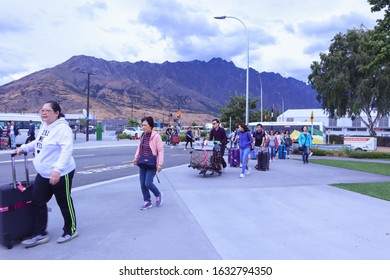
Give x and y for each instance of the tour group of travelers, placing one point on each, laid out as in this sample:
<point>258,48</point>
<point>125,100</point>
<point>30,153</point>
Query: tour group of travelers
<point>53,160</point>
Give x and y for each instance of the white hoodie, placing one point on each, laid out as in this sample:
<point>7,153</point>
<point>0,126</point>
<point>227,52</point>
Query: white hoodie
<point>53,149</point>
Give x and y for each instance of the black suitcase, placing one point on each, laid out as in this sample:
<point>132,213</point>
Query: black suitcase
<point>263,161</point>
<point>16,220</point>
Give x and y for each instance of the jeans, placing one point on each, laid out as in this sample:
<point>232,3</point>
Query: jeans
<point>146,179</point>
<point>271,152</point>
<point>244,153</point>
<point>305,154</point>
<point>13,141</point>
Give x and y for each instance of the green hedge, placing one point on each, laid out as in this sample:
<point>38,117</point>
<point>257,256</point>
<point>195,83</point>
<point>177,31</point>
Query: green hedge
<point>346,153</point>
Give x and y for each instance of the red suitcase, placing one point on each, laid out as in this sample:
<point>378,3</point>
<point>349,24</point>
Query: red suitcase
<point>175,140</point>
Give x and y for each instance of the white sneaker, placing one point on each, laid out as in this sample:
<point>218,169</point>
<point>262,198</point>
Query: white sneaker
<point>248,171</point>
<point>67,237</point>
<point>242,175</point>
<point>36,240</point>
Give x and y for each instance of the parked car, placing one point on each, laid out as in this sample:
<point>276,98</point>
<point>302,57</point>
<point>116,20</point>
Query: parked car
<point>91,130</point>
<point>132,131</point>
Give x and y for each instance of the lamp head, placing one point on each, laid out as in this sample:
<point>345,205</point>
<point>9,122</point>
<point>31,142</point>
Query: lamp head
<point>221,17</point>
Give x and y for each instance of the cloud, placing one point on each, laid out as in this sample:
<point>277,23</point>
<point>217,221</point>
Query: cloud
<point>92,9</point>
<point>12,25</point>
<point>336,24</point>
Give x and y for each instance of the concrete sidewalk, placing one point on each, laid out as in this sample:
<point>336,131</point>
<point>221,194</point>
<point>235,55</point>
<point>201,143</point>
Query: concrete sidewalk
<point>289,212</point>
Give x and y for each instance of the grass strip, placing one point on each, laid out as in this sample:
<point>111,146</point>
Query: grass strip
<point>379,190</point>
<point>371,167</point>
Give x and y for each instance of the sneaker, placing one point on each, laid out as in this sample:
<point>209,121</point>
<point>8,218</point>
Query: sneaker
<point>66,237</point>
<point>36,240</point>
<point>248,171</point>
<point>146,205</point>
<point>242,175</point>
<point>160,201</point>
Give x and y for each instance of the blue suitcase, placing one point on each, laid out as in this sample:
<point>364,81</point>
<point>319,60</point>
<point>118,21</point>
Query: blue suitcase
<point>282,151</point>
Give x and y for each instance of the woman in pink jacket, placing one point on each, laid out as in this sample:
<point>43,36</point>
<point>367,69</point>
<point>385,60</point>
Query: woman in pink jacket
<point>150,147</point>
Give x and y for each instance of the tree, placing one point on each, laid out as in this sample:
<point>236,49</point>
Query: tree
<point>132,122</point>
<point>235,109</point>
<point>381,39</point>
<point>348,83</point>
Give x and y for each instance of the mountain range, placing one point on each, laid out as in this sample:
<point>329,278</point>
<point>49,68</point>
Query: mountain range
<point>133,90</point>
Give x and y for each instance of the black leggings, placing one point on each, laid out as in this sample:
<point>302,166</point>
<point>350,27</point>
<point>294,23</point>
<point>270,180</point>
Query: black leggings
<point>43,192</point>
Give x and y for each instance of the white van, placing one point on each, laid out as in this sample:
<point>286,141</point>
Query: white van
<point>361,143</point>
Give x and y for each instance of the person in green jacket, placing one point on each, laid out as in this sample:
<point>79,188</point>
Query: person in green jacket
<point>305,142</point>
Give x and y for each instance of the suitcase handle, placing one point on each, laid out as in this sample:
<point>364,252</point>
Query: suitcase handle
<point>13,166</point>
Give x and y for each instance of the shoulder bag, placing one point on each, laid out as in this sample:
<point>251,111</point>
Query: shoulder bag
<point>148,162</point>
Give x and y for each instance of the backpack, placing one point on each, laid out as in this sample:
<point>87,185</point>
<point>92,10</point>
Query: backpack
<point>288,141</point>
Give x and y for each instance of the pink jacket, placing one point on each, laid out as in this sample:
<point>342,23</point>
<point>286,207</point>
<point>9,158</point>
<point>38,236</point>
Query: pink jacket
<point>157,147</point>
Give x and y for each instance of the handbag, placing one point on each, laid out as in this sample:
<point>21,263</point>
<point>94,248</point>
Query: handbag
<point>302,148</point>
<point>148,162</point>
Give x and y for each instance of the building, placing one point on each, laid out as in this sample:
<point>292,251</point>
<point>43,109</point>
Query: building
<point>341,126</point>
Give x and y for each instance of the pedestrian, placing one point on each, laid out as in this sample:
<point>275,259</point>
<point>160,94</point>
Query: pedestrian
<point>218,133</point>
<point>197,134</point>
<point>288,142</point>
<point>55,166</point>
<point>150,148</point>
<point>7,132</point>
<point>30,132</point>
<point>13,132</point>
<point>259,138</point>
<point>168,132</point>
<point>233,138</point>
<point>272,145</point>
<point>188,137</point>
<point>305,143</point>
<point>245,139</point>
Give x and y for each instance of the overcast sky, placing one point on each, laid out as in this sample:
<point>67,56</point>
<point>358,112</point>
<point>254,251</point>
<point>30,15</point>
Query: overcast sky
<point>285,36</point>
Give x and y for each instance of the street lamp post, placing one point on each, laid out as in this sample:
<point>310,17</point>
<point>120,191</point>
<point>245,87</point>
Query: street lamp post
<point>282,105</point>
<point>261,98</point>
<point>87,120</point>
<point>247,68</point>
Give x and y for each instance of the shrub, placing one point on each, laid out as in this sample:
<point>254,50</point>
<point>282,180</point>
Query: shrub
<point>370,155</point>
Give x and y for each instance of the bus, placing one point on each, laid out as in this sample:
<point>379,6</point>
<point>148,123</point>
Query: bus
<point>295,128</point>
<point>22,121</point>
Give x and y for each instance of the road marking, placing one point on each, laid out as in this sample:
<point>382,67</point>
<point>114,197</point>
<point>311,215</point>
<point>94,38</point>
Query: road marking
<point>87,155</point>
<point>93,166</point>
<point>108,168</point>
<point>108,182</point>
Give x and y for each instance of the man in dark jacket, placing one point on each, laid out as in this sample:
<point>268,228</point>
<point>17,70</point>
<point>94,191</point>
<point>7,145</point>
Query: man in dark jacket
<point>31,132</point>
<point>218,133</point>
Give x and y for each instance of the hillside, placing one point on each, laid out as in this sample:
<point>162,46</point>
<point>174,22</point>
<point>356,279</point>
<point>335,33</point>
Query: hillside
<point>124,89</point>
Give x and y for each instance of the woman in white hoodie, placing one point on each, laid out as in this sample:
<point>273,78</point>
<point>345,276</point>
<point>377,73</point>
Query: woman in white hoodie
<point>54,163</point>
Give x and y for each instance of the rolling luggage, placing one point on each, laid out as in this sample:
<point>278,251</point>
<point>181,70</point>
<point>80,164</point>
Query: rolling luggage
<point>252,154</point>
<point>3,143</point>
<point>16,219</point>
<point>234,157</point>
<point>263,161</point>
<point>282,151</point>
<point>175,140</point>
